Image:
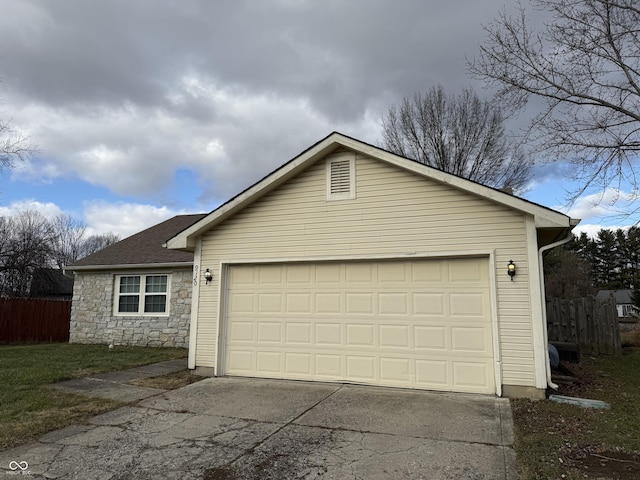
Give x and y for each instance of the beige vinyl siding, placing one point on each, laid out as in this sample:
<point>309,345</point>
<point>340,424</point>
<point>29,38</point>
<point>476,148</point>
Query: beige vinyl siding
<point>396,213</point>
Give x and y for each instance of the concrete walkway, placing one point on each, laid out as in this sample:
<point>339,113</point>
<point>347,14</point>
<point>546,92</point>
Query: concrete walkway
<point>114,385</point>
<point>240,428</point>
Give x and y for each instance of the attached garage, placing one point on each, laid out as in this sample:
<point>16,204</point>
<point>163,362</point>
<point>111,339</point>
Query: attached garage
<point>351,264</point>
<point>414,324</point>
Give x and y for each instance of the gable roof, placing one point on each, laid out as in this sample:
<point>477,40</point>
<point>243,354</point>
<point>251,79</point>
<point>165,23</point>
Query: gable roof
<point>143,249</point>
<point>544,217</point>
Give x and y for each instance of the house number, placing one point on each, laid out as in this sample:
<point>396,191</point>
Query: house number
<point>195,275</point>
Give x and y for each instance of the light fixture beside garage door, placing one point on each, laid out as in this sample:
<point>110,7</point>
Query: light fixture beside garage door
<point>208,276</point>
<point>511,269</point>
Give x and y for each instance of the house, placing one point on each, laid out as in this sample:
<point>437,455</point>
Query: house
<point>135,292</point>
<point>624,302</point>
<point>352,264</point>
<point>51,283</point>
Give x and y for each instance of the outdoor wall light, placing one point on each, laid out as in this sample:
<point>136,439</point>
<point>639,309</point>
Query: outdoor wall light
<point>511,269</point>
<point>208,276</point>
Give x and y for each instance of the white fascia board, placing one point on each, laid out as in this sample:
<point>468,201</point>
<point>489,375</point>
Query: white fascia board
<point>130,266</point>
<point>544,217</point>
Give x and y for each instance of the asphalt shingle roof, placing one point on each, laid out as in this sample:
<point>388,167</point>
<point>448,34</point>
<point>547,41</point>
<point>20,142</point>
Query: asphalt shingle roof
<point>144,247</point>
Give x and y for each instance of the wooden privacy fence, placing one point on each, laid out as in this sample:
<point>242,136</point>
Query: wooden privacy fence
<point>34,320</point>
<point>592,324</point>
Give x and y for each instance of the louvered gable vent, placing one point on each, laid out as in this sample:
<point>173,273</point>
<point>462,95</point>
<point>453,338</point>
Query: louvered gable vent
<point>341,177</point>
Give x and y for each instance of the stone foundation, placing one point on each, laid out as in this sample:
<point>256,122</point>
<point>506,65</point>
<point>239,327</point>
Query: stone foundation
<point>92,319</point>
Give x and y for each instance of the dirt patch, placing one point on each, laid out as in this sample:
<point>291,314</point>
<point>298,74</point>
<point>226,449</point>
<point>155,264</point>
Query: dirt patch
<point>168,382</point>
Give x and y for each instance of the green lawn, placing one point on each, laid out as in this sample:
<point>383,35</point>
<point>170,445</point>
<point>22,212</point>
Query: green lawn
<point>563,441</point>
<point>29,408</point>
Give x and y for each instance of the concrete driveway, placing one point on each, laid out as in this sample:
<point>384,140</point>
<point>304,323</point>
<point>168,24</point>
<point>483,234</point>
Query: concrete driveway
<point>234,428</point>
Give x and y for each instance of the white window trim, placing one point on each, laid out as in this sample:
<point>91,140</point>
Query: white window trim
<point>141,294</point>
<point>351,194</point>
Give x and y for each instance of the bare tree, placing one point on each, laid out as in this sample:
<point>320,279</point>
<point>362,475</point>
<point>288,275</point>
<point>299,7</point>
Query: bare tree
<point>26,244</point>
<point>585,67</point>
<point>69,240</point>
<point>95,243</point>
<point>458,134</point>
<point>30,243</point>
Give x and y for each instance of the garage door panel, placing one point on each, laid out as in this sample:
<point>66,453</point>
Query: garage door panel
<point>242,303</point>
<point>395,371</point>
<point>470,375</point>
<point>432,374</point>
<point>359,273</point>
<point>298,364</point>
<point>241,331</point>
<point>468,304</point>
<point>329,334</point>
<point>269,363</point>
<point>416,324</point>
<point>328,273</point>
<point>429,304</point>
<point>359,335</point>
<point>393,273</point>
<point>360,303</point>
<point>269,332</point>
<point>470,339</point>
<point>395,336</point>
<point>467,271</point>
<point>329,303</point>
<point>329,366</point>
<point>242,361</point>
<point>395,303</point>
<point>298,303</point>
<point>428,272</point>
<point>430,338</point>
<point>299,333</point>
<point>270,303</point>
<point>360,368</point>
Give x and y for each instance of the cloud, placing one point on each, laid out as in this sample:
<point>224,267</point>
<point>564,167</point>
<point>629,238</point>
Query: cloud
<point>592,229</point>
<point>227,90</point>
<point>124,219</point>
<point>48,209</point>
<point>612,203</point>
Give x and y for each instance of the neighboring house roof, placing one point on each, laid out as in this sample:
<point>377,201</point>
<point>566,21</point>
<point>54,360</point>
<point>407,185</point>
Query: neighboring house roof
<point>51,282</point>
<point>622,296</point>
<point>142,249</point>
<point>545,218</point>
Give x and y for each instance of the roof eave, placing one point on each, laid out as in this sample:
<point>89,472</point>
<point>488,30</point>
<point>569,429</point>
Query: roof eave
<point>128,266</point>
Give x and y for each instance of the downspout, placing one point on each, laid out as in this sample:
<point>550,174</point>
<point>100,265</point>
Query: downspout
<point>568,238</point>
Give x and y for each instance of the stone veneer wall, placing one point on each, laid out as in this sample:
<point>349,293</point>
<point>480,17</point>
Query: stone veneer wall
<point>92,319</point>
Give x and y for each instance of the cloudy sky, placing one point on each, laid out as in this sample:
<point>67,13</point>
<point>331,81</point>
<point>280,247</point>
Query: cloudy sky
<point>149,108</point>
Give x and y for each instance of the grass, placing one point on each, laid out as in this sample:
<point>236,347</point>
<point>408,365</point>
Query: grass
<point>556,440</point>
<point>29,408</point>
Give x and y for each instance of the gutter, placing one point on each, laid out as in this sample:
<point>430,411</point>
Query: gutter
<point>541,250</point>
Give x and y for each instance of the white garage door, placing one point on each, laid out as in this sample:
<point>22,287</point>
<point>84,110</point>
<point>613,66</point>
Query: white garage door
<point>415,324</point>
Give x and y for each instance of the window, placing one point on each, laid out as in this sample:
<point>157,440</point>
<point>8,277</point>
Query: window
<point>341,177</point>
<point>142,295</point>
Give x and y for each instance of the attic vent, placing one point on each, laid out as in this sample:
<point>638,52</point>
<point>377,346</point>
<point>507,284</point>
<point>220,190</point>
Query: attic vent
<point>341,177</point>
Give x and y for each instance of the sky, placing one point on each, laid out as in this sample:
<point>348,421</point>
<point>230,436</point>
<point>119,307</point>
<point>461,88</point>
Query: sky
<point>148,109</point>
